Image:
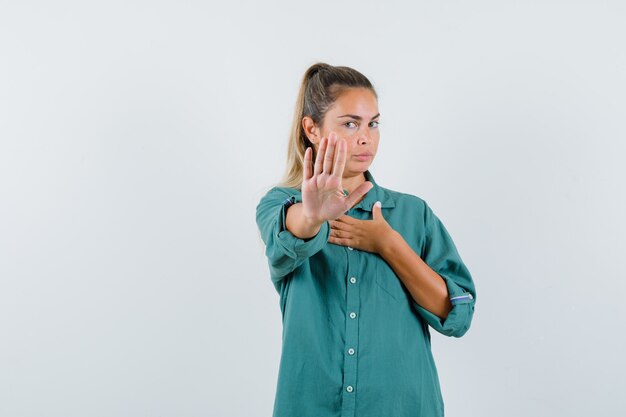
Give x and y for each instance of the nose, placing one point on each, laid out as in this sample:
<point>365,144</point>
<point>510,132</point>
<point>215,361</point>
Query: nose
<point>363,136</point>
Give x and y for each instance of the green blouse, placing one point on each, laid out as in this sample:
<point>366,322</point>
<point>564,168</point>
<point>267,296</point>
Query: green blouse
<point>354,341</point>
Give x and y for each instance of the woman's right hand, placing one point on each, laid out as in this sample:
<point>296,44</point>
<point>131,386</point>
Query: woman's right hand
<point>322,192</point>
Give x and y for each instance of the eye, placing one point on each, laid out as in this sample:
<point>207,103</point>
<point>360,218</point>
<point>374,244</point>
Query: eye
<point>377,123</point>
<point>347,124</point>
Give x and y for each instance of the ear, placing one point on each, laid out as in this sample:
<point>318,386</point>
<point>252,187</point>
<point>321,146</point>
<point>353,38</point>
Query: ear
<point>311,130</point>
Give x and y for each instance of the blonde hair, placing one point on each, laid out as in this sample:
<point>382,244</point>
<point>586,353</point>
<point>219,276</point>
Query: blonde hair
<point>321,85</point>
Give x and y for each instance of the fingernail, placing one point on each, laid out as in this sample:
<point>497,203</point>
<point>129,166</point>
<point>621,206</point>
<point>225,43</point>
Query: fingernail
<point>378,204</point>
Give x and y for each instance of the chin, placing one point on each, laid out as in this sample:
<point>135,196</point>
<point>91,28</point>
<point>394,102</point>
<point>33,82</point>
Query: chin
<point>358,167</point>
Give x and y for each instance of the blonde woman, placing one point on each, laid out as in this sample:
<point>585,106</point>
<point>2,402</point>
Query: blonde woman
<point>363,272</point>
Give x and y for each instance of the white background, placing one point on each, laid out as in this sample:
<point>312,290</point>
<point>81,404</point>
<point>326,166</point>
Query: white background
<point>136,139</point>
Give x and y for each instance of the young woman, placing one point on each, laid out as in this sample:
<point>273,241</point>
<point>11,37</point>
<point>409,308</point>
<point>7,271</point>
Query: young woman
<point>362,271</point>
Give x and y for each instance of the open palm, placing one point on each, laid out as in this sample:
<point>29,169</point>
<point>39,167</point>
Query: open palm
<point>322,192</point>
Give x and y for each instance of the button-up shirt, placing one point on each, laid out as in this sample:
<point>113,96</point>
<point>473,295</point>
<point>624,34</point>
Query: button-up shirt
<point>354,342</point>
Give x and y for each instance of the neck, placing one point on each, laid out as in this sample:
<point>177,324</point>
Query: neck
<point>351,183</point>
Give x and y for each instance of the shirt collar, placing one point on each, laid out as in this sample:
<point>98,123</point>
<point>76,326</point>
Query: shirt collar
<point>377,193</point>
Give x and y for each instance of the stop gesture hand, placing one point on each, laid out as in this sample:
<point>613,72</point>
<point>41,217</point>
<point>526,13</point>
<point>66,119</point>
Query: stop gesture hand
<point>322,192</point>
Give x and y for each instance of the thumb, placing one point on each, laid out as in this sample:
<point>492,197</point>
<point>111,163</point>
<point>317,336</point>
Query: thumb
<point>377,211</point>
<point>360,191</point>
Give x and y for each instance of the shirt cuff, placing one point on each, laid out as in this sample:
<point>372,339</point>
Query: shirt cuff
<point>299,248</point>
<point>460,316</point>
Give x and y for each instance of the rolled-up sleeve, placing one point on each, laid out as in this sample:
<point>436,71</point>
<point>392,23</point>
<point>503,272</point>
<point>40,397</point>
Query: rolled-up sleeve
<point>284,251</point>
<point>440,253</point>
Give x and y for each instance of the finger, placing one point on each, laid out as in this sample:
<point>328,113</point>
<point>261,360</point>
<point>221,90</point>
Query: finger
<point>341,218</point>
<point>347,219</point>
<point>342,234</point>
<point>377,211</point>
<point>339,241</point>
<point>339,225</point>
<point>340,160</point>
<point>330,153</point>
<point>360,191</point>
<point>307,164</point>
<point>320,156</point>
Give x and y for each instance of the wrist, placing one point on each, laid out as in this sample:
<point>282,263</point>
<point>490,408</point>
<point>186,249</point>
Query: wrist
<point>310,221</point>
<point>300,225</point>
<point>311,224</point>
<point>389,242</point>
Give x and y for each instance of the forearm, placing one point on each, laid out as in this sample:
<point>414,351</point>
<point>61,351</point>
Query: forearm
<point>299,225</point>
<point>427,287</point>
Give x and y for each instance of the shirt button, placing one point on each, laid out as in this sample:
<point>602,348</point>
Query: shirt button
<point>352,315</point>
<point>351,351</point>
<point>349,247</point>
<point>352,280</point>
<point>349,388</point>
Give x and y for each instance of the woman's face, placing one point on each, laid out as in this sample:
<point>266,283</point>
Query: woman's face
<point>353,117</point>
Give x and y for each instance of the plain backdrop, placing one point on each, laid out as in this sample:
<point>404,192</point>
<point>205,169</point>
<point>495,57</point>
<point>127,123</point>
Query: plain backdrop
<point>136,138</point>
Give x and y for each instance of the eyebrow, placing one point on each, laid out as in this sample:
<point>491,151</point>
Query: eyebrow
<point>354,116</point>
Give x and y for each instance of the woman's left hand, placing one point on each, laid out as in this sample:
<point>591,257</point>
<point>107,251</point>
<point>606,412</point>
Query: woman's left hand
<point>368,235</point>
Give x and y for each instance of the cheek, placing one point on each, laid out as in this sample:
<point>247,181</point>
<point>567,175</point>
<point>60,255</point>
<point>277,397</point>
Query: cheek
<point>375,143</point>
<point>351,144</point>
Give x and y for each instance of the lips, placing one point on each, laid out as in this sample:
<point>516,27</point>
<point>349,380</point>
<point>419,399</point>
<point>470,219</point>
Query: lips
<point>363,156</point>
